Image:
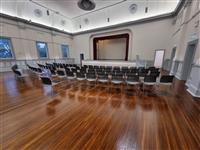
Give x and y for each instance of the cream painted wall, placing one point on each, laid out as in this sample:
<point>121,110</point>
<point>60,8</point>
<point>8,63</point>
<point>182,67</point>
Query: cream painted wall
<point>186,29</point>
<point>144,39</point>
<point>24,39</point>
<point>112,49</point>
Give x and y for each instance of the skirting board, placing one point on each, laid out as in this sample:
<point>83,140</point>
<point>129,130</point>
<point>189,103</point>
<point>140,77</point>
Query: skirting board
<point>198,96</point>
<point>178,77</point>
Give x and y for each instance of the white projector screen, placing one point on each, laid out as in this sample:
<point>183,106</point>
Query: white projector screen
<point>112,49</point>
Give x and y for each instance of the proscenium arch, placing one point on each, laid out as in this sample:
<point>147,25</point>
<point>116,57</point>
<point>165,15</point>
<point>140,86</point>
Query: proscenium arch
<point>110,33</point>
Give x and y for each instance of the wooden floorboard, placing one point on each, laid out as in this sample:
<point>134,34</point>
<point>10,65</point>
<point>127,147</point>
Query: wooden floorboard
<point>82,115</point>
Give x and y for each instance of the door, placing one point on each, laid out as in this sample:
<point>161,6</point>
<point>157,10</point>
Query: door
<point>188,60</point>
<point>172,57</point>
<point>159,58</point>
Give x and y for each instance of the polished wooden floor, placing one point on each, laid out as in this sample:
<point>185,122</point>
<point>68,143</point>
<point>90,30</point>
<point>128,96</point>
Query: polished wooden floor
<point>80,115</point>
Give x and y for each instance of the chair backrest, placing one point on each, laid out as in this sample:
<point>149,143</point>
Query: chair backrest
<point>80,75</point>
<point>90,75</point>
<point>166,79</point>
<point>18,73</point>
<point>117,77</point>
<point>133,78</point>
<point>150,78</point>
<point>70,74</point>
<point>61,72</point>
<point>103,76</point>
<point>130,74</point>
<point>155,74</point>
<point>102,67</point>
<point>14,67</point>
<point>46,80</point>
<point>52,71</point>
<point>91,71</point>
<point>133,70</point>
<point>96,67</point>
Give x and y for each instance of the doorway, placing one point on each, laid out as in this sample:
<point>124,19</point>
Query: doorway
<point>188,59</point>
<point>159,58</point>
<point>172,57</point>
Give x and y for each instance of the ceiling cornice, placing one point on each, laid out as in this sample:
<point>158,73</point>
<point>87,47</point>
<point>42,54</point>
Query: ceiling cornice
<point>140,21</point>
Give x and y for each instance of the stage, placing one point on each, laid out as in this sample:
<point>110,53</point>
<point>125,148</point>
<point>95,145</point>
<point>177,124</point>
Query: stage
<point>109,63</point>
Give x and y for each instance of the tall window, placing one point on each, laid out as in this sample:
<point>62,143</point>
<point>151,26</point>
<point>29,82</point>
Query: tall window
<point>65,51</point>
<point>42,49</point>
<point>6,51</point>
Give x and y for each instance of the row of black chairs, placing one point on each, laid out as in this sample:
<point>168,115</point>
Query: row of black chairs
<point>116,76</point>
<point>142,72</point>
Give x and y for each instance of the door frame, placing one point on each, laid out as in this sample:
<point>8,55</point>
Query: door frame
<point>184,69</point>
<point>155,56</point>
<point>171,59</point>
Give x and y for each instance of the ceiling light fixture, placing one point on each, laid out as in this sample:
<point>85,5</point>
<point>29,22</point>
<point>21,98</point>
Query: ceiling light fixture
<point>86,5</point>
<point>133,8</point>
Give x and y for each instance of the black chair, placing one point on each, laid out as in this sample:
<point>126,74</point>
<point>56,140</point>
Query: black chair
<point>149,81</point>
<point>133,70</point>
<point>48,82</point>
<point>142,74</point>
<point>70,75</point>
<point>91,67</point>
<point>132,80</point>
<point>80,76</point>
<point>124,69</point>
<point>116,69</point>
<point>157,74</point>
<point>91,77</point>
<point>74,70</point>
<point>61,73</point>
<point>96,67</point>
<point>91,71</point>
<point>18,72</point>
<point>103,78</point>
<point>102,67</point>
<point>53,72</point>
<point>117,79</point>
<point>166,79</point>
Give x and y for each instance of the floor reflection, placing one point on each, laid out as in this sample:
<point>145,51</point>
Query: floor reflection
<point>51,107</point>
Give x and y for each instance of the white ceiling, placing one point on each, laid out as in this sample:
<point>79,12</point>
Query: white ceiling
<point>75,19</point>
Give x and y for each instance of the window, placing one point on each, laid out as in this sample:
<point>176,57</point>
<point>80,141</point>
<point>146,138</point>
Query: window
<point>6,51</point>
<point>42,49</point>
<point>65,51</point>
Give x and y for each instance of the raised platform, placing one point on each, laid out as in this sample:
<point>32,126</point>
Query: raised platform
<point>109,63</point>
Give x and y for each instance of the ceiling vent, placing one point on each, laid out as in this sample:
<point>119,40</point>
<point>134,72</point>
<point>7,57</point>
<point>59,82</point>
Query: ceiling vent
<point>38,13</point>
<point>133,8</point>
<point>86,20</point>
<point>86,4</point>
<point>63,22</point>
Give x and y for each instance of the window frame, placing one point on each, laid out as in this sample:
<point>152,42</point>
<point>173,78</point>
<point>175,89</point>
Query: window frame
<point>12,49</point>
<point>62,50</point>
<point>39,52</point>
